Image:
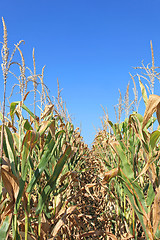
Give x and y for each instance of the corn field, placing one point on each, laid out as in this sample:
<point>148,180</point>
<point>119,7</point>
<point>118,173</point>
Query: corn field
<point>52,186</point>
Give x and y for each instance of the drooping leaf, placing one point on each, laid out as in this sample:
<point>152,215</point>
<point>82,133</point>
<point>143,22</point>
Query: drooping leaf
<point>13,106</point>
<point>124,164</point>
<point>60,223</point>
<point>44,126</point>
<point>48,109</point>
<point>151,107</point>
<point>109,175</point>
<point>158,113</point>
<point>30,139</point>
<point>10,182</point>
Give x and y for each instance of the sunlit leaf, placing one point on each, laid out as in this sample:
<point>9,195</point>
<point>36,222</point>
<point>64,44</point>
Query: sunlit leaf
<point>151,107</point>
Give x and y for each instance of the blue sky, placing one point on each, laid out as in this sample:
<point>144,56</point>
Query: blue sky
<point>89,45</point>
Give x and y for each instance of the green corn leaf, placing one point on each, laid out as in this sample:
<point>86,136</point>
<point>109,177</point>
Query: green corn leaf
<point>110,123</point>
<point>150,122</point>
<point>29,141</point>
<point>26,124</point>
<point>13,106</point>
<point>154,137</point>
<point>47,154</point>
<point>12,109</point>
<point>20,194</point>
<point>137,199</point>
<point>150,195</point>
<point>124,164</point>
<point>30,113</point>
<point>16,139</point>
<point>4,228</point>
<point>116,129</point>
<point>51,184</point>
<point>138,116</point>
<point>157,234</point>
<point>10,149</point>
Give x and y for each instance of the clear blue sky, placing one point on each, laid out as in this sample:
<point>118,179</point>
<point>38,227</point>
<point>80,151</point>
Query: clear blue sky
<point>90,45</point>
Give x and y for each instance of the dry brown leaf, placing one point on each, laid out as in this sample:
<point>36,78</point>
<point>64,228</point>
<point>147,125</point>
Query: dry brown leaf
<point>52,128</point>
<point>47,110</point>
<point>158,113</point>
<point>10,182</point>
<point>61,221</point>
<point>110,174</point>
<point>90,233</point>
<point>43,126</point>
<point>114,144</point>
<point>57,227</point>
<point>8,211</point>
<point>127,237</point>
<point>6,161</point>
<point>111,236</point>
<point>67,211</point>
<point>152,104</point>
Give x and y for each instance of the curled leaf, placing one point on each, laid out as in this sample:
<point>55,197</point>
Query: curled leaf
<point>110,174</point>
<point>10,182</point>
<point>153,105</point>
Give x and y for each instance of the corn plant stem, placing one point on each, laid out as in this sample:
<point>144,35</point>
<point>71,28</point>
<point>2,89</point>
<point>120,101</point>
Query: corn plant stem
<point>20,128</point>
<point>28,208</point>
<point>15,225</point>
<point>39,223</point>
<point>29,195</point>
<point>121,198</point>
<point>39,226</point>
<point>124,199</point>
<point>54,206</point>
<point>26,226</point>
<point>3,121</point>
<point>133,221</point>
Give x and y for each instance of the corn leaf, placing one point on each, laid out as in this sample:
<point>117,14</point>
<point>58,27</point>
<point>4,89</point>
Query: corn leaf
<point>150,195</point>
<point>51,184</point>
<point>144,93</point>
<point>154,137</point>
<point>10,149</point>
<point>151,107</point>
<point>13,106</point>
<point>137,199</point>
<point>46,156</point>
<point>26,124</point>
<point>29,141</point>
<point>4,228</point>
<point>124,164</point>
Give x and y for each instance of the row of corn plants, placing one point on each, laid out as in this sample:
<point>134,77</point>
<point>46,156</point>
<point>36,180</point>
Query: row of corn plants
<point>129,156</point>
<point>39,156</point>
<point>35,171</point>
